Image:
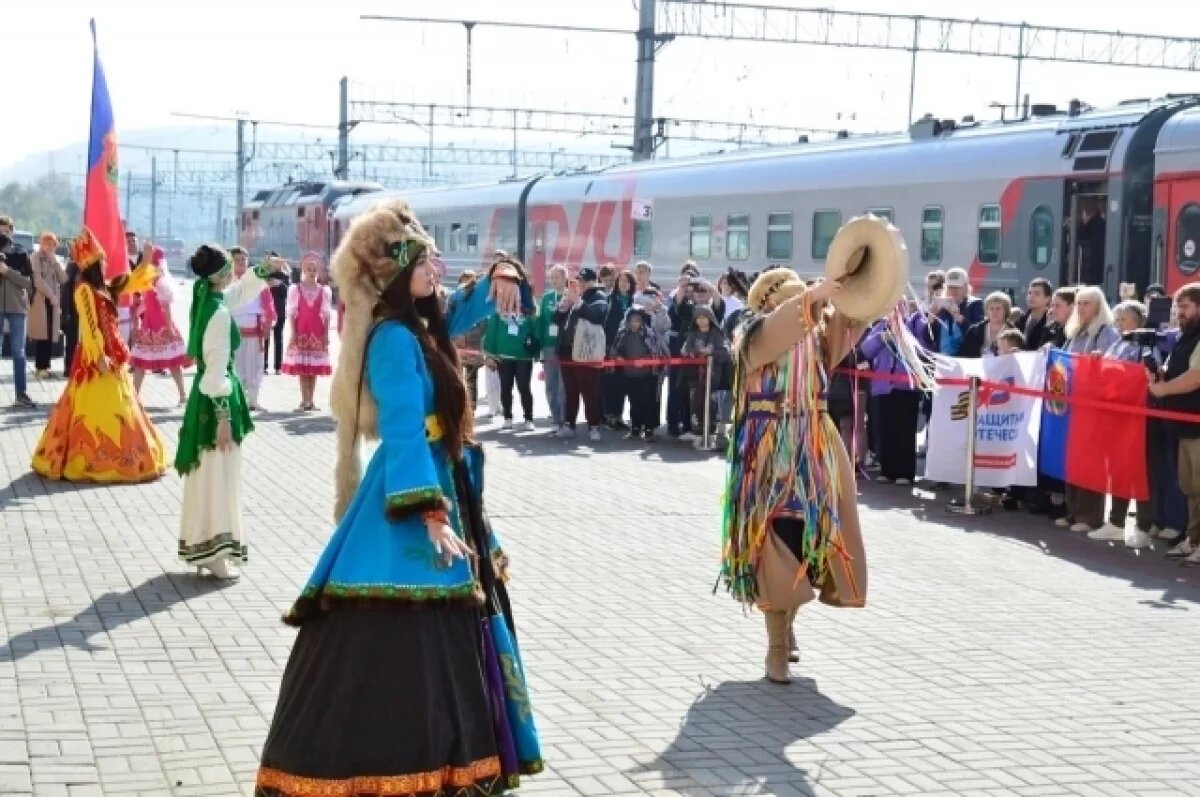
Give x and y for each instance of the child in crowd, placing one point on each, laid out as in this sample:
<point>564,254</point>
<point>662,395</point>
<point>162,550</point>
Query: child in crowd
<point>1010,341</point>
<point>706,340</point>
<point>636,340</point>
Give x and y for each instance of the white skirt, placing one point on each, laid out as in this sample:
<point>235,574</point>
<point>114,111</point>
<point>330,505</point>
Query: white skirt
<point>248,363</point>
<point>211,524</point>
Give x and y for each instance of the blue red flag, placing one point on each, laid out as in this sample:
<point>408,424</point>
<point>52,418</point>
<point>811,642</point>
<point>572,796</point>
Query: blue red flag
<point>101,211</point>
<point>1089,437</point>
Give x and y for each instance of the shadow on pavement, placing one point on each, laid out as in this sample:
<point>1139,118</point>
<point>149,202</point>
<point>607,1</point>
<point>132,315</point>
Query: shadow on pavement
<point>1144,569</point>
<point>29,485</point>
<point>541,443</point>
<point>746,727</point>
<point>111,610</point>
<point>306,424</point>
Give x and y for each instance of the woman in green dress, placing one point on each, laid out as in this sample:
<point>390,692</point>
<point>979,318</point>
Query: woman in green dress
<point>217,418</point>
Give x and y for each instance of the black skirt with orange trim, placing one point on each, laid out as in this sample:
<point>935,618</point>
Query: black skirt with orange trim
<point>386,704</point>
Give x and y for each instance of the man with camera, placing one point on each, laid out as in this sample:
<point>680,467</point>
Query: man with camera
<point>16,279</point>
<point>1178,388</point>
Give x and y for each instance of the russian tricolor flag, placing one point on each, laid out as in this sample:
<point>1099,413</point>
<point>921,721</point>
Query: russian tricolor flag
<point>101,212</point>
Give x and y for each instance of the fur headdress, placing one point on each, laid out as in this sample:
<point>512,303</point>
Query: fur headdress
<point>363,265</point>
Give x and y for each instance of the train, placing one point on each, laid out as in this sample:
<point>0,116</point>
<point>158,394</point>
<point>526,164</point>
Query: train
<point>293,219</point>
<point>1005,200</point>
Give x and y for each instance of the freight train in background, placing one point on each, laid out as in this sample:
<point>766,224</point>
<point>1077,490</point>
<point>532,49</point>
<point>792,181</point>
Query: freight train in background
<point>1001,199</point>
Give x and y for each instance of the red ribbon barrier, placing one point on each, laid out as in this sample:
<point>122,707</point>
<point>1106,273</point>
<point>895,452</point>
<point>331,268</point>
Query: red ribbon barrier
<point>1147,412</point>
<point>608,363</point>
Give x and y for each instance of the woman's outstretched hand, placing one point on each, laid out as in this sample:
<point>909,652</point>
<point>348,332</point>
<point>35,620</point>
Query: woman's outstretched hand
<point>446,542</point>
<point>507,295</point>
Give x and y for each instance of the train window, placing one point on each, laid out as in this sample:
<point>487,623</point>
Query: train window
<point>1041,236</point>
<point>300,212</point>
<point>932,226</point>
<point>700,238</point>
<point>988,249</point>
<point>825,223</point>
<point>779,236</point>
<point>883,213</point>
<point>1187,239</point>
<point>641,238</point>
<point>455,237</point>
<point>737,237</point>
<point>1101,141</point>
<point>472,237</point>
<point>439,237</point>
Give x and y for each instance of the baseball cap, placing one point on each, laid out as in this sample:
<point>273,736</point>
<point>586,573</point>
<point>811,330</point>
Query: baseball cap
<point>587,275</point>
<point>956,278</point>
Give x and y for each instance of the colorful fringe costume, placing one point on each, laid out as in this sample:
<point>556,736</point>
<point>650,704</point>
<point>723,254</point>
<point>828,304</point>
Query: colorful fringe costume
<point>785,462</point>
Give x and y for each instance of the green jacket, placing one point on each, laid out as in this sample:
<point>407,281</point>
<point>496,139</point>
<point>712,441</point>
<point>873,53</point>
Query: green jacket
<point>545,319</point>
<point>511,339</point>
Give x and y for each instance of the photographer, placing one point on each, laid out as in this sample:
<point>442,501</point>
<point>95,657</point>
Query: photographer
<point>16,280</point>
<point>1178,386</point>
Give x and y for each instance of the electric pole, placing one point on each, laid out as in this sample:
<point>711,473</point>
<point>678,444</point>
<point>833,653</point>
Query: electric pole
<point>153,197</point>
<point>242,160</point>
<point>643,104</point>
<point>343,159</point>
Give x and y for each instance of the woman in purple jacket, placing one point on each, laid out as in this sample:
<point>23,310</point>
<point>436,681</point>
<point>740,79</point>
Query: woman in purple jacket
<point>898,402</point>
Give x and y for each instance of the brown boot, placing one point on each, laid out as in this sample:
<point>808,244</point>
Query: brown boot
<point>777,647</point>
<point>793,650</point>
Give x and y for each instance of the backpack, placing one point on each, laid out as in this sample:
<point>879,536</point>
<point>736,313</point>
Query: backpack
<point>590,343</point>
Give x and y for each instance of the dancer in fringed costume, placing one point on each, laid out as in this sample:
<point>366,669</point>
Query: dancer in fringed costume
<point>98,431</point>
<point>157,343</point>
<point>217,418</point>
<point>790,527</point>
<point>254,320</point>
<point>405,677</point>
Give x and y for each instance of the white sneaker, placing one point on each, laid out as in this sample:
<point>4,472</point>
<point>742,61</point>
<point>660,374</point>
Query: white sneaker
<point>1193,559</point>
<point>528,426</point>
<point>883,480</point>
<point>220,569</point>
<point>1062,523</point>
<point>1165,534</point>
<point>507,425</point>
<point>904,482</point>
<point>1082,527</point>
<point>594,435</point>
<point>1181,551</point>
<point>1108,533</point>
<point>565,431</point>
<point>687,437</point>
<point>1137,539</point>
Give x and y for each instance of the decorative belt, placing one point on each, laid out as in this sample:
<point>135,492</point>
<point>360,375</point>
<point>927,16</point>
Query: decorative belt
<point>250,332</point>
<point>770,405</point>
<point>433,428</point>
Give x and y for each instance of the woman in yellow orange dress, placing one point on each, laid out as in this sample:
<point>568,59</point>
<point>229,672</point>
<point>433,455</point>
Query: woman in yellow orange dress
<point>99,431</point>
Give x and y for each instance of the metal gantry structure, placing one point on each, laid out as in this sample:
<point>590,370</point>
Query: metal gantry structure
<point>663,21</point>
<point>920,34</point>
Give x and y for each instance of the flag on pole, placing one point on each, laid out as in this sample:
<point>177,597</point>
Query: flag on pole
<point>1096,443</point>
<point>101,211</point>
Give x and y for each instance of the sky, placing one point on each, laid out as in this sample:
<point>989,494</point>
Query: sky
<point>280,61</point>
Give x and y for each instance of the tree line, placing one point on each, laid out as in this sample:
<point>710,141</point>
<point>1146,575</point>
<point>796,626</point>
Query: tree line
<point>48,204</point>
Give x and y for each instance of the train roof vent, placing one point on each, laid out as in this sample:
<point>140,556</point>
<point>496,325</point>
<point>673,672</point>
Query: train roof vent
<point>1039,109</point>
<point>843,134</point>
<point>969,119</point>
<point>309,189</point>
<point>261,196</point>
<point>802,139</point>
<point>1136,101</point>
<point>925,127</point>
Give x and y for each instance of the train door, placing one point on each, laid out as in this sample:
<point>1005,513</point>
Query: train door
<point>1085,217</point>
<point>1182,227</point>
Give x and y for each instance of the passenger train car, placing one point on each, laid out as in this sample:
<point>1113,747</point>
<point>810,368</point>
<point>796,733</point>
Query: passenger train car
<point>294,218</point>
<point>1000,199</point>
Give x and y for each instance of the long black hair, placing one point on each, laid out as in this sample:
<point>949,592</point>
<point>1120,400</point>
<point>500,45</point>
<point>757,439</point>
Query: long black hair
<point>425,319</point>
<point>94,275</point>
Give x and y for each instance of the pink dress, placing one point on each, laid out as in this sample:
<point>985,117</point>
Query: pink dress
<point>157,343</point>
<point>308,350</point>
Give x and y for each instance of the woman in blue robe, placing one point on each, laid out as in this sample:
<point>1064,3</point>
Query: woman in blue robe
<point>405,678</point>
